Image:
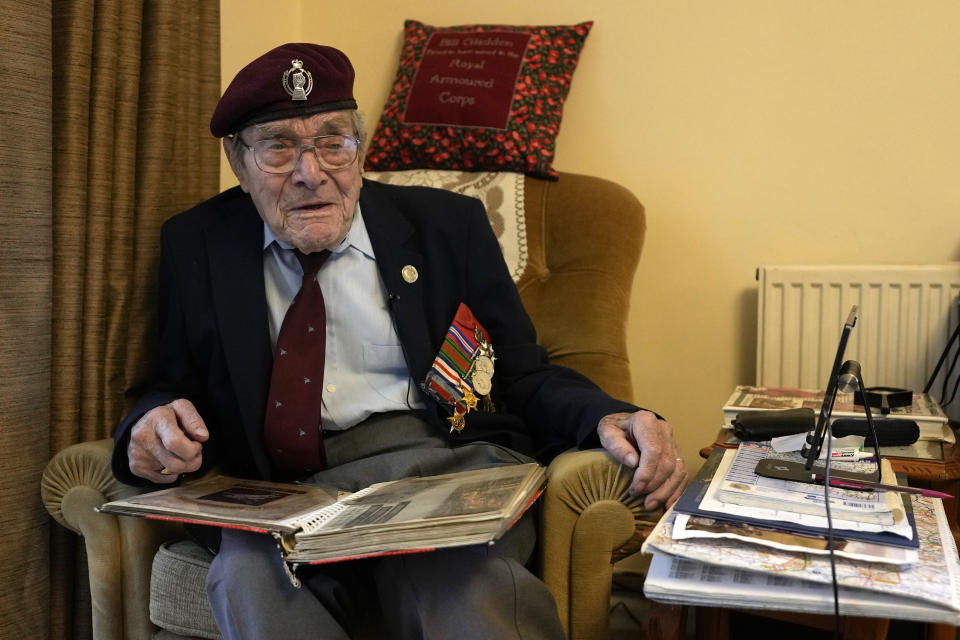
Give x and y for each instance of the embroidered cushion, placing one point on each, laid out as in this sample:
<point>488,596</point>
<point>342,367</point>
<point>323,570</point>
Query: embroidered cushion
<point>477,98</point>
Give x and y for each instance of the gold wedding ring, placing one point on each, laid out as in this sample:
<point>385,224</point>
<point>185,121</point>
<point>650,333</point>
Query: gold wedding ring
<point>166,472</point>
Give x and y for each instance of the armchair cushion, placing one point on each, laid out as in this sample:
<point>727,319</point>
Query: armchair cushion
<point>178,598</point>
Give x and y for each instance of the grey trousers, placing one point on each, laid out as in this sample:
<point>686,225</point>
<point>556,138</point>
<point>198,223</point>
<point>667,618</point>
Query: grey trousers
<point>479,592</point>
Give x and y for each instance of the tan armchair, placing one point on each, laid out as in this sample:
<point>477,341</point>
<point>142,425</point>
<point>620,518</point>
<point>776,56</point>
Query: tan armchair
<point>584,237</point>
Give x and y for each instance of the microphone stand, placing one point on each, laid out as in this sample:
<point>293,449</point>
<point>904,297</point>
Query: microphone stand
<point>851,379</point>
<point>848,379</point>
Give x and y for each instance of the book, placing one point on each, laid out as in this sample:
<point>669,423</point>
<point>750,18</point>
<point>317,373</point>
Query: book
<point>313,525</point>
<point>925,411</point>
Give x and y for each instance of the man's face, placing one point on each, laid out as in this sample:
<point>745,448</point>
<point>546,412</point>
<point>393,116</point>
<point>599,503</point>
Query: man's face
<point>310,208</point>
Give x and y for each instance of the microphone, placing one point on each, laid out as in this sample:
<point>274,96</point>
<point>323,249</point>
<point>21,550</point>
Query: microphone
<point>849,378</point>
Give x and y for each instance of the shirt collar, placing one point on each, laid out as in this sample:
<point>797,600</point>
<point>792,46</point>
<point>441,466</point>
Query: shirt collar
<point>356,237</point>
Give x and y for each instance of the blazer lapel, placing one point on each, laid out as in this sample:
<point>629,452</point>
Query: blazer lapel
<point>401,269</point>
<point>235,250</point>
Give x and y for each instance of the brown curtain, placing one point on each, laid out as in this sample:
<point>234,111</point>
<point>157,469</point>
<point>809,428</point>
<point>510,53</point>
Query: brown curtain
<point>104,106</point>
<point>25,298</point>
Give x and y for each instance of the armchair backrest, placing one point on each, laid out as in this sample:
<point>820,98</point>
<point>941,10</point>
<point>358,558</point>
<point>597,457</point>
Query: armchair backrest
<point>584,237</point>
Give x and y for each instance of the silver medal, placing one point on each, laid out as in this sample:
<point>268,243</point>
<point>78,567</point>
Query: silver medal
<point>481,383</point>
<point>483,364</point>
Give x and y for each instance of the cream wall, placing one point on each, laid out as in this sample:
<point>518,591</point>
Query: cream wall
<point>754,131</point>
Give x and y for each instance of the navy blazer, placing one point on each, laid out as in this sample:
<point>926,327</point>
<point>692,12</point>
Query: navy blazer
<point>215,346</point>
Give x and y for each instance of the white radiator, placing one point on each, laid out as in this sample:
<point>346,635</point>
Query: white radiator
<point>907,314</point>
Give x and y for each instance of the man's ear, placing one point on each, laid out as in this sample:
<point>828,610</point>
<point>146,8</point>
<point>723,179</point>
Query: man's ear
<point>361,157</point>
<point>234,157</point>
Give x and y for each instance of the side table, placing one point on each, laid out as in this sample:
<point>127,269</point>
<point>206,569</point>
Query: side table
<point>942,475</point>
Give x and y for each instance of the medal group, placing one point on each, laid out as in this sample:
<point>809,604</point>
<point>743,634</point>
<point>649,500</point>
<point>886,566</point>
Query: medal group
<point>461,375</point>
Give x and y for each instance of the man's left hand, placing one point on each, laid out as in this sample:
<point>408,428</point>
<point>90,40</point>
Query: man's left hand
<point>641,440</point>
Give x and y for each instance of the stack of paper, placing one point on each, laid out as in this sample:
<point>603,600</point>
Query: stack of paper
<point>714,552</point>
<point>740,485</point>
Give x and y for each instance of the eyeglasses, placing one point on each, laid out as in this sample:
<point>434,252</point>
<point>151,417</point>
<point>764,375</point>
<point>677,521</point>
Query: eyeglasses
<point>281,155</point>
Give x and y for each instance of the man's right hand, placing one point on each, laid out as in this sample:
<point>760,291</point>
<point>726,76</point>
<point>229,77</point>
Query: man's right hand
<point>166,442</point>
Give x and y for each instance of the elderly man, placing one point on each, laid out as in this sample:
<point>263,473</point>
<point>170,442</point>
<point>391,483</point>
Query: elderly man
<point>304,321</point>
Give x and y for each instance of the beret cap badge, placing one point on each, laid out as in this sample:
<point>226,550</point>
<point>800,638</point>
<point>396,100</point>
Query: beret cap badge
<point>300,79</point>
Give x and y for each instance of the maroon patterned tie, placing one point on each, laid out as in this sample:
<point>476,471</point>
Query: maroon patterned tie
<point>292,427</point>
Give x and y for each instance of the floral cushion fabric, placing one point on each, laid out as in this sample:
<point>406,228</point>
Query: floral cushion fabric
<point>477,98</point>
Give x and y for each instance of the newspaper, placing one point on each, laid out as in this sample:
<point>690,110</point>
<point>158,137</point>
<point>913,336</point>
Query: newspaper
<point>676,580</point>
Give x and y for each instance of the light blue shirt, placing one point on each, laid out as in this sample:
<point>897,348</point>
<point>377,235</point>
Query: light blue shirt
<point>365,370</point>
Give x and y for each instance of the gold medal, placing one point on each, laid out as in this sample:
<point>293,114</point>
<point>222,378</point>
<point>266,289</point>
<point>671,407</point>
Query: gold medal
<point>469,398</point>
<point>457,423</point>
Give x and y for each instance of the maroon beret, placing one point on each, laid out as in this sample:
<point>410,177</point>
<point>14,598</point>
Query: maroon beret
<point>295,79</point>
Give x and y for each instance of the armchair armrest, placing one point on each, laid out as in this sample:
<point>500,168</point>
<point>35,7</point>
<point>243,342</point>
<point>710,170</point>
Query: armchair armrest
<point>119,550</point>
<point>587,524</point>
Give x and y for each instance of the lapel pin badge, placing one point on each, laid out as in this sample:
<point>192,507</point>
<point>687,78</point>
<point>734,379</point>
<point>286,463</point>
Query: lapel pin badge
<point>409,274</point>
